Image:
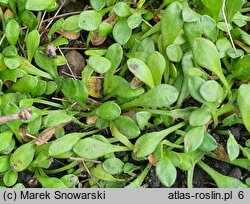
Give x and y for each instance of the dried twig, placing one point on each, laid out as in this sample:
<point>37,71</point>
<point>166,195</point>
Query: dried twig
<point>25,114</point>
<point>227,25</point>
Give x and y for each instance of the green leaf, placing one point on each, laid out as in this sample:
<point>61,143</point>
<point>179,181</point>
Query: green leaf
<point>42,160</point>
<point>189,15</point>
<point>5,139</point>
<point>12,31</point>
<point>10,178</point>
<point>174,53</point>
<point>127,126</point>
<point>243,100</point>
<point>46,63</point>
<point>171,23</point>
<point>29,19</point>
<point>141,71</point>
<point>134,20</point>
<point>97,4</point>
<point>51,182</point>
<point>166,171</point>
<point>70,180</point>
<point>211,91</point>
<point>90,148</point>
<point>139,179</point>
<point>194,138</point>
<point>242,69</point>
<point>232,7</point>
<point>71,24</point>
<point>207,56</point>
<point>209,28</point>
<point>22,157</point>
<point>233,148</point>
<point>108,111</point>
<point>209,143</point>
<point>121,9</point>
<point>113,165</point>
<point>162,95</point>
<point>121,31</point>
<point>32,43</point>
<point>12,62</point>
<point>37,5</point>
<point>10,51</point>
<point>26,84</point>
<point>66,143</point>
<point>57,118</point>
<point>99,64</point>
<point>157,65</point>
<point>76,90</point>
<point>147,143</point>
<point>99,173</point>
<point>221,180</point>
<point>214,7</point>
<point>89,20</point>
<point>4,163</point>
<point>200,116</point>
<point>194,84</point>
<point>142,118</point>
<point>114,54</point>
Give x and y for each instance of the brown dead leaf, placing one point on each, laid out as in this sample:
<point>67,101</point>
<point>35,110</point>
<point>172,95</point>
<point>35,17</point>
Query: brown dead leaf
<point>95,86</point>
<point>23,134</point>
<point>70,36</point>
<point>152,160</point>
<point>97,40</point>
<point>47,134</point>
<point>135,83</point>
<point>8,14</point>
<point>221,153</point>
<point>91,119</point>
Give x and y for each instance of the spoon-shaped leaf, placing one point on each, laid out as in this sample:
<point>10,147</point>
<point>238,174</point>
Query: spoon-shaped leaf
<point>66,142</point>
<point>76,90</point>
<point>10,178</point>
<point>171,23</point>
<point>148,142</point>
<point>221,180</point>
<point>127,126</point>
<point>194,138</point>
<point>243,100</point>
<point>242,70</point>
<point>157,65</point>
<point>200,116</point>
<point>162,95</point>
<point>22,157</point>
<point>89,20</point>
<point>166,171</point>
<point>141,71</point>
<point>207,56</point>
<point>233,148</point>
<point>90,148</point>
<point>211,91</point>
<point>37,5</point>
<point>32,43</point>
<point>99,64</point>
<point>4,163</point>
<point>5,139</point>
<point>100,173</point>
<point>12,31</point>
<point>108,111</point>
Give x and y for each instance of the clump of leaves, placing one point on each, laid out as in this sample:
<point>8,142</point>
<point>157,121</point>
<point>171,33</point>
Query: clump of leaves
<point>146,82</point>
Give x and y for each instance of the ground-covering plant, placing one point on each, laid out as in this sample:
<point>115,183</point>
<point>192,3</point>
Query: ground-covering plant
<point>102,93</point>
